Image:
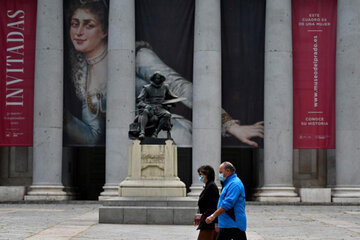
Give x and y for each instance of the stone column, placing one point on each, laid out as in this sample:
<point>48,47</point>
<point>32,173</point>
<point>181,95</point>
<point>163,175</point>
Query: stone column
<point>206,89</point>
<point>48,106</point>
<point>278,142</point>
<point>120,93</point>
<point>347,187</point>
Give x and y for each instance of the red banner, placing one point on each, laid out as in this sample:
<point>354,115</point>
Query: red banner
<point>17,57</point>
<point>314,49</point>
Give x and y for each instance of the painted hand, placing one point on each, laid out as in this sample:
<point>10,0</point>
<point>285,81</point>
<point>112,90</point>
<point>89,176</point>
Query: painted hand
<point>245,132</point>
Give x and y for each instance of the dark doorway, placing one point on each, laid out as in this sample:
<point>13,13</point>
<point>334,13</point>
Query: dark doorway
<point>244,160</point>
<point>89,166</point>
<point>185,166</point>
<point>89,163</point>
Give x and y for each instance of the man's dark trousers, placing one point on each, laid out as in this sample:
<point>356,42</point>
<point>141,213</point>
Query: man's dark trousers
<point>231,233</point>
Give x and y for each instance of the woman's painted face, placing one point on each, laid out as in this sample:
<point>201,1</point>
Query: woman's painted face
<point>86,33</point>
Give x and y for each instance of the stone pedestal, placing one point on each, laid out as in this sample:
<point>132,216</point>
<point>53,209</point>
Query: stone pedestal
<point>12,193</point>
<point>148,210</point>
<point>152,171</point>
<point>315,195</point>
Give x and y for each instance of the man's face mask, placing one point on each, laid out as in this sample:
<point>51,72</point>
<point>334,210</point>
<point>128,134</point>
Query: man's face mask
<point>221,177</point>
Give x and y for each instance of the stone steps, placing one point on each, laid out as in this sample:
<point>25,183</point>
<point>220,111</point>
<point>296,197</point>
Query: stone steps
<point>146,210</point>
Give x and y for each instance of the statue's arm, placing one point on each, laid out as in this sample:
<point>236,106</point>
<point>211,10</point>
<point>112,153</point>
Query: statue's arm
<point>141,98</point>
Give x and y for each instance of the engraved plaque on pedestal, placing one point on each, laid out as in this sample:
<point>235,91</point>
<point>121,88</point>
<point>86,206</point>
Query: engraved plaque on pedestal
<point>152,171</point>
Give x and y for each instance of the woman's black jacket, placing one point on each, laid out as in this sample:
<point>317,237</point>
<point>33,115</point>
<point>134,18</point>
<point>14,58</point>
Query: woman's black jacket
<point>207,203</point>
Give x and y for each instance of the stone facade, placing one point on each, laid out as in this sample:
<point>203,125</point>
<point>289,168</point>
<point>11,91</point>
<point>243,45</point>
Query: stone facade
<point>42,172</point>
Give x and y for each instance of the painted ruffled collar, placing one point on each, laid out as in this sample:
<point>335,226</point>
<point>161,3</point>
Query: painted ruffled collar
<point>79,69</point>
<point>98,57</point>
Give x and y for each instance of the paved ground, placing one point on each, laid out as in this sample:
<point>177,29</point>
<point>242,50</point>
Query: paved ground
<point>80,222</point>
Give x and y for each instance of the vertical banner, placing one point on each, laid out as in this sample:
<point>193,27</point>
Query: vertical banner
<point>242,40</point>
<point>17,58</point>
<point>85,72</point>
<point>314,49</point>
<point>165,43</point>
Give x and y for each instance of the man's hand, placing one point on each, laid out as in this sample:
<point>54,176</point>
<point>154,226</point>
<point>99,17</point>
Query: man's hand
<point>245,132</point>
<point>209,219</point>
<point>217,213</point>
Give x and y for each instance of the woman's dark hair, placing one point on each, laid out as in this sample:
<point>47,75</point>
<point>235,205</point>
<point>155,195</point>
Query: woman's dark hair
<point>97,7</point>
<point>208,171</point>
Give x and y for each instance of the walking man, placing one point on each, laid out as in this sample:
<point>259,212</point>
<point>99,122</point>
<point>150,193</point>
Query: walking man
<point>231,206</point>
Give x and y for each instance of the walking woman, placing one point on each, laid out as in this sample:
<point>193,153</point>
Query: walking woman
<point>207,202</point>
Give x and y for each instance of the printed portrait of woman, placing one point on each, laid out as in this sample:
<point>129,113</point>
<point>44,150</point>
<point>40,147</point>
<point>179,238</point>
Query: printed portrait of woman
<point>87,29</point>
<point>86,32</point>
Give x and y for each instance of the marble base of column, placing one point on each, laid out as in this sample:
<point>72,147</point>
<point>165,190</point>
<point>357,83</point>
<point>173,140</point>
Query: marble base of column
<point>195,190</point>
<point>109,192</point>
<point>276,194</point>
<point>49,193</point>
<point>346,194</point>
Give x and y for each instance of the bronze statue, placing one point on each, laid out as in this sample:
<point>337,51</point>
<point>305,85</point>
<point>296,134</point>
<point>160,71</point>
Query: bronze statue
<point>153,105</point>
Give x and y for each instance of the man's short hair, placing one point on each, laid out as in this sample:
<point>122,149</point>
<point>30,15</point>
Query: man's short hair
<point>228,165</point>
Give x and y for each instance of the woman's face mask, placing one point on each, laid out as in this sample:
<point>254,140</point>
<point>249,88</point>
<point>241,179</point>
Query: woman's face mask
<point>201,178</point>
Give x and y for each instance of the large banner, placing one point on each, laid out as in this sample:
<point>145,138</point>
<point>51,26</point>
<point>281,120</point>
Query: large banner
<point>243,33</point>
<point>165,43</point>
<point>17,58</point>
<point>314,49</point>
<point>85,72</point>
<point>164,34</point>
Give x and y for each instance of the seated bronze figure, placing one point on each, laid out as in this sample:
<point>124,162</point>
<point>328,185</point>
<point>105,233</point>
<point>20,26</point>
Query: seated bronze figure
<point>153,104</point>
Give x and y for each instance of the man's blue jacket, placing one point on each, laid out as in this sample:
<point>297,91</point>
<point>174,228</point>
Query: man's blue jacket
<point>233,196</point>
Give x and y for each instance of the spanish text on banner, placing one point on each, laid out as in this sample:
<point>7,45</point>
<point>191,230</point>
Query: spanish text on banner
<point>314,49</point>
<point>17,56</point>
